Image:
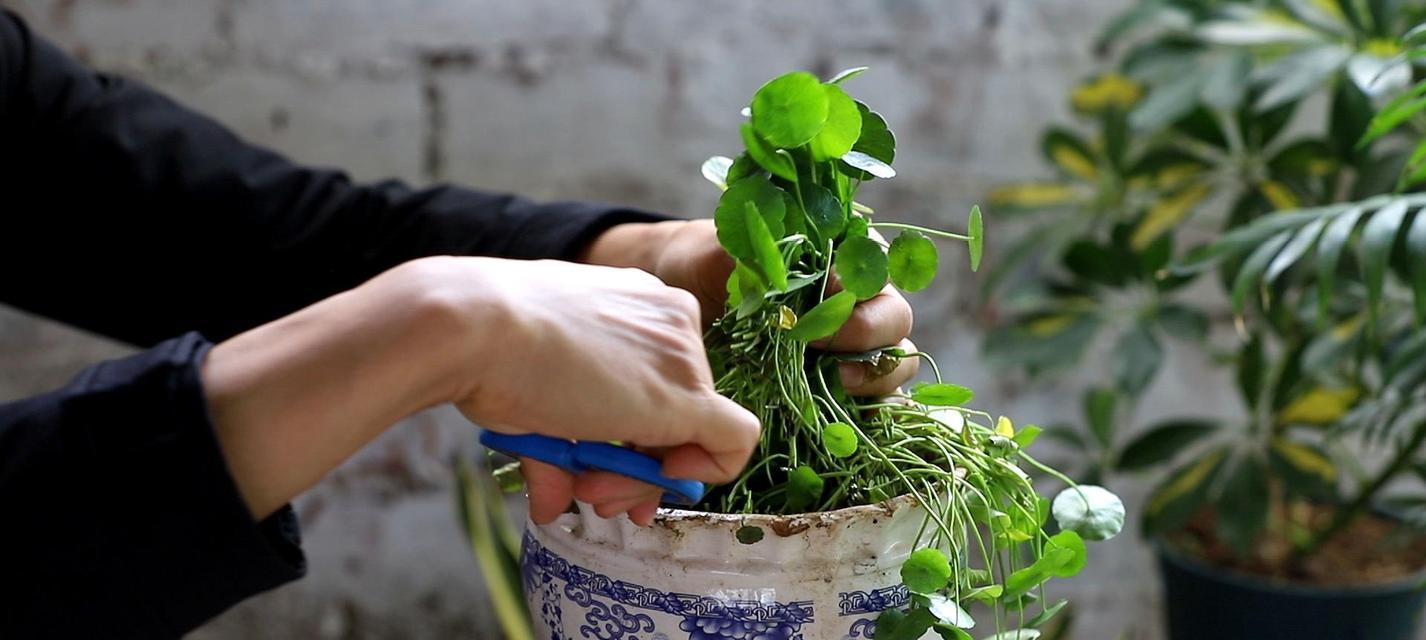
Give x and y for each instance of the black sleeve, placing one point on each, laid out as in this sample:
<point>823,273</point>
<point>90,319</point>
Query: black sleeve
<point>120,519</point>
<point>129,215</point>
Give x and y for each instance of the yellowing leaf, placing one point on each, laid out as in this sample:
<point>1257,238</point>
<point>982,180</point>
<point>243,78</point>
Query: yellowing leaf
<point>786,318</point>
<point>1332,8</point>
<point>1279,195</point>
<point>1305,459</point>
<point>1108,90</point>
<point>1176,175</point>
<point>1049,325</point>
<point>1321,166</point>
<point>1185,484</point>
<point>1166,213</point>
<point>1319,406</point>
<point>1005,427</point>
<point>1347,329</point>
<point>1382,47</point>
<point>1032,194</point>
<point>1074,162</point>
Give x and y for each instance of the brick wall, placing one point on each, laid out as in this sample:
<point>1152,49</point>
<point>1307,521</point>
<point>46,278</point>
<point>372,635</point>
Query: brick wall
<point>617,100</point>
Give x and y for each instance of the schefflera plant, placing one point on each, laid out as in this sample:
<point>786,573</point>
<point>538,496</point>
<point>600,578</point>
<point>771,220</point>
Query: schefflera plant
<point>806,253</point>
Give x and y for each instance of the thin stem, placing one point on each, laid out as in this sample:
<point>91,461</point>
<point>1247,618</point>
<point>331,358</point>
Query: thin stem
<point>1353,510</point>
<point>912,227</point>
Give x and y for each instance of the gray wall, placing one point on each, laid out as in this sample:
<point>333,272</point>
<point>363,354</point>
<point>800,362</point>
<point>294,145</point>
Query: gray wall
<point>618,100</point>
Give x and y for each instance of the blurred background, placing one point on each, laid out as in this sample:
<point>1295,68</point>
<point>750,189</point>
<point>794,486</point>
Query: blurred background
<point>614,100</point>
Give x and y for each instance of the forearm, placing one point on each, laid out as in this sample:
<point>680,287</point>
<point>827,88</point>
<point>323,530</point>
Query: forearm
<point>293,398</point>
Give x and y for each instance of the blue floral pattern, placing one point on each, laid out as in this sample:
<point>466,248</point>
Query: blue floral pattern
<point>860,603</point>
<point>611,607</point>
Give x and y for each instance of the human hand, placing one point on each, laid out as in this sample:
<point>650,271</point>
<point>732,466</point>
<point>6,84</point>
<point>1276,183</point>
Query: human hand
<point>686,254</point>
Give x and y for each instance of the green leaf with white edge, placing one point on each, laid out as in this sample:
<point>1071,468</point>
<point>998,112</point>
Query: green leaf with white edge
<point>715,169</point>
<point>1255,27</point>
<point>1167,103</point>
<point>861,264</point>
<point>912,261</point>
<point>876,139</point>
<point>824,213</point>
<point>766,258</point>
<point>804,488</point>
<point>729,216</point>
<point>949,611</point>
<point>1416,257</point>
<point>844,124</point>
<point>1329,253</point>
<point>1227,81</point>
<point>1250,275</point>
<point>825,318</point>
<point>941,394</point>
<point>773,160</point>
<point>1162,442</point>
<point>858,160</point>
<point>846,74</point>
<point>1298,74</point>
<point>839,439</point>
<point>1301,243</point>
<point>1090,511</point>
<point>790,109</point>
<point>975,231</point>
<point>926,571</point>
<point>1017,634</point>
<point>1099,411</point>
<point>1378,237</point>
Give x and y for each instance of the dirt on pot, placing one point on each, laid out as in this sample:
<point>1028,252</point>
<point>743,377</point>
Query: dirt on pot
<point>1373,550</point>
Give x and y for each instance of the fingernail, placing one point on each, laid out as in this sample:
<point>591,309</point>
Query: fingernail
<point>853,374</point>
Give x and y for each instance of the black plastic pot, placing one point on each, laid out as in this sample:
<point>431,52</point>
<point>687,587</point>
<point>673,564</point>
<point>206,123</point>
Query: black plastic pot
<point>1207,602</point>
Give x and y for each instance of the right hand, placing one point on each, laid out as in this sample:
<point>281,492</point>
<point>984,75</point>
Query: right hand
<point>596,353</point>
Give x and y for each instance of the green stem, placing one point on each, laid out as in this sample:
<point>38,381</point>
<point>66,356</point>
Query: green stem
<point>912,227</point>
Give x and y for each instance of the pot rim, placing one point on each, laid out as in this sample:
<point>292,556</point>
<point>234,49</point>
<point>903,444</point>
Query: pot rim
<point>885,507</point>
<point>1192,564</point>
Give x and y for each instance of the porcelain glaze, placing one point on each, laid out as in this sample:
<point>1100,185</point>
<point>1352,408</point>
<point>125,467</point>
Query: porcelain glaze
<point>810,577</point>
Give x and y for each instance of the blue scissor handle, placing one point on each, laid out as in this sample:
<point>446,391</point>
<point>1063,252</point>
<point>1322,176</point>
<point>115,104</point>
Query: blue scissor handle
<point>578,456</point>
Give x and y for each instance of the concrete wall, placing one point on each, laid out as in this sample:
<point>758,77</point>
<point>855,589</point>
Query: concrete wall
<point>617,100</point>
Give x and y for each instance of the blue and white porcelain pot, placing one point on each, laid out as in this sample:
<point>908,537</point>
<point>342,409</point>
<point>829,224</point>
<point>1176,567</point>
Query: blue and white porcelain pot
<point>706,576</point>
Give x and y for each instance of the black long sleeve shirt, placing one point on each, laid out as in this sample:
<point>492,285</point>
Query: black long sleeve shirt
<point>126,214</point>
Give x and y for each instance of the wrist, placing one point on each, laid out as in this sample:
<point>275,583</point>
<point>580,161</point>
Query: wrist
<point>632,244</point>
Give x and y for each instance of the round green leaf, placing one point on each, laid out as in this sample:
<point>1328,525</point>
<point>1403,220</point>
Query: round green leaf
<point>912,261</point>
<point>733,232</point>
<point>825,318</point>
<point>862,266</point>
<point>790,109</point>
<point>804,488</point>
<point>1089,511</point>
<point>941,394</point>
<point>844,124</point>
<point>926,571</point>
<point>839,439</point>
<point>1064,554</point>
<point>765,156</point>
<point>976,233</point>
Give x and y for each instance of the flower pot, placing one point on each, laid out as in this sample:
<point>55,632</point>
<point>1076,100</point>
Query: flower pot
<point>707,576</point>
<point>1204,601</point>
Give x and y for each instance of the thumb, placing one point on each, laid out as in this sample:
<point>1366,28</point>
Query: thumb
<point>722,437</point>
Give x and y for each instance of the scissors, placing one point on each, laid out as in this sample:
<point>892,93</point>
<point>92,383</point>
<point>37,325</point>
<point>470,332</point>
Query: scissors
<point>578,456</point>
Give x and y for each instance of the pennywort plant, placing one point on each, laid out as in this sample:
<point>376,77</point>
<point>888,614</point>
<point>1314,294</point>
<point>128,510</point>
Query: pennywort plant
<point>806,252</point>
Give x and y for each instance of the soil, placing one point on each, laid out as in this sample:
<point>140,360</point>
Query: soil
<point>1373,550</point>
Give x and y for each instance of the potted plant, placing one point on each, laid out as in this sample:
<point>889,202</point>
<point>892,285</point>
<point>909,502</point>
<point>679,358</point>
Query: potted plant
<point>898,516</point>
<point>1278,524</point>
